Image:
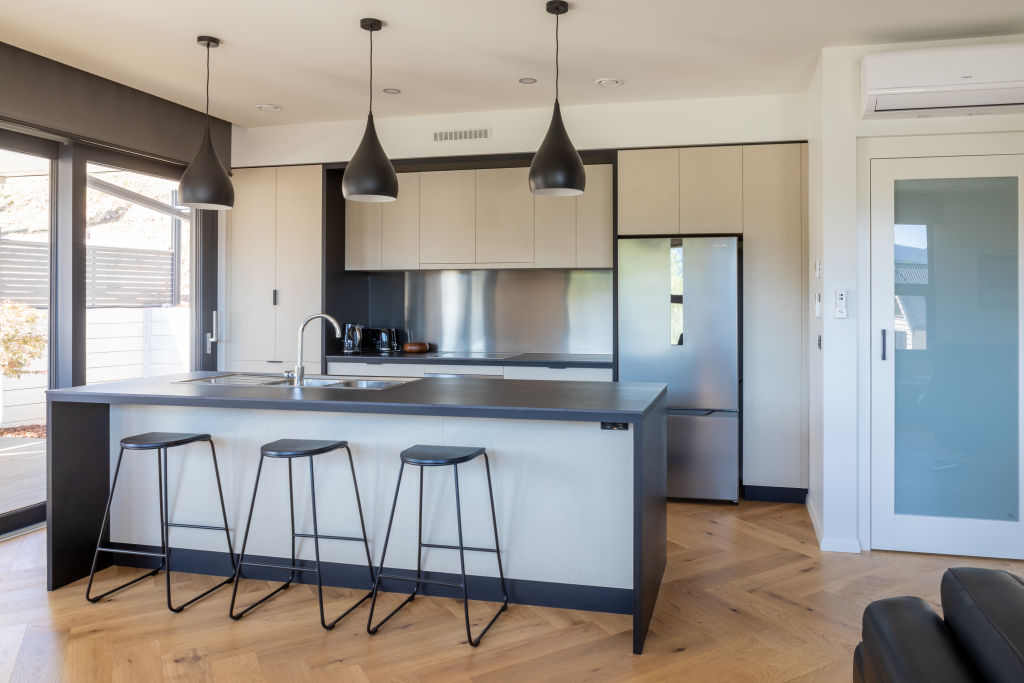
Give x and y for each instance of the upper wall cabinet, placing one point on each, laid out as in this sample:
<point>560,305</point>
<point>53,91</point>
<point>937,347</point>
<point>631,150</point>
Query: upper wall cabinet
<point>448,217</point>
<point>385,235</point>
<point>648,191</point>
<point>710,190</point>
<point>483,218</point>
<point>504,216</point>
<point>693,190</point>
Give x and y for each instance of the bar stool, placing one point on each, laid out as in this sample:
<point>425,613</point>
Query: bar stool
<point>160,442</point>
<point>439,456</point>
<point>290,449</point>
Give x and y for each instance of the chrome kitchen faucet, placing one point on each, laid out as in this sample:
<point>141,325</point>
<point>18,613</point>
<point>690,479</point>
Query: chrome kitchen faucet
<point>298,374</point>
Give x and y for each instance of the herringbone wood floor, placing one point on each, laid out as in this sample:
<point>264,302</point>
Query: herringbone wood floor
<point>747,597</point>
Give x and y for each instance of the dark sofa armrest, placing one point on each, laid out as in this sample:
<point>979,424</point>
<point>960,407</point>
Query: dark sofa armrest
<point>905,640</point>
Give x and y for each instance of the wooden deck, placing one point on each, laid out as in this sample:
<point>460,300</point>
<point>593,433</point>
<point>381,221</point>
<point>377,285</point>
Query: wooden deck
<point>22,472</point>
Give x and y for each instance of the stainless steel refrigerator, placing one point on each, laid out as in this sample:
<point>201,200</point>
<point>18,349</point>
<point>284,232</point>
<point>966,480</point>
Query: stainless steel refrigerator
<point>678,323</point>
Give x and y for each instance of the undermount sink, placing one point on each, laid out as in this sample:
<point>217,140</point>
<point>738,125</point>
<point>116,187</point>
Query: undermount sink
<point>254,379</point>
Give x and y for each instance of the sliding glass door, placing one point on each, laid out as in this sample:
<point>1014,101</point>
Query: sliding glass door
<point>946,349</point>
<point>25,219</point>
<point>138,276</point>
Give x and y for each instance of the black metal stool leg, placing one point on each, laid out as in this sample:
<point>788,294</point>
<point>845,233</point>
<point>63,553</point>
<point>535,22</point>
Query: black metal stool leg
<point>99,544</point>
<point>462,561</point>
<point>223,508</point>
<point>166,524</point>
<point>316,547</point>
<point>362,522</point>
<point>241,556</point>
<point>494,522</point>
<point>370,628</point>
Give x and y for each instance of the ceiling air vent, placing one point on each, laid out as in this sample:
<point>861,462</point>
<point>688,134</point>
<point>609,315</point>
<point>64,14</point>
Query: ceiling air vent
<point>466,134</point>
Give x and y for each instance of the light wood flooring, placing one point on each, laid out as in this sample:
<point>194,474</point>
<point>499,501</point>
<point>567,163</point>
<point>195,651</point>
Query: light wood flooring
<point>747,596</point>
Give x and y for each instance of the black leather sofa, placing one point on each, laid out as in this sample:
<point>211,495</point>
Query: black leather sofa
<point>981,637</point>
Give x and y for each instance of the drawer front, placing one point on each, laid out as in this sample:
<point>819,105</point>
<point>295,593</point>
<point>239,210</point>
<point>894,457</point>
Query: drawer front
<point>442,369</point>
<point>565,374</point>
<point>376,369</point>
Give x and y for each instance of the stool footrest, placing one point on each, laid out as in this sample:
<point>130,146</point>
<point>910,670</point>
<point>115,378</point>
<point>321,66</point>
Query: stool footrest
<point>195,526</point>
<point>330,538</point>
<point>455,547</point>
<point>413,579</point>
<point>277,566</point>
<point>125,551</point>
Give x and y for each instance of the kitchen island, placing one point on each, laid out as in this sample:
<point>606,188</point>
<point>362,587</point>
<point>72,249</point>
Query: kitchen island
<point>578,467</point>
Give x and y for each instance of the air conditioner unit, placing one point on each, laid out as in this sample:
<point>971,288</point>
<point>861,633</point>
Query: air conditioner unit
<point>968,79</point>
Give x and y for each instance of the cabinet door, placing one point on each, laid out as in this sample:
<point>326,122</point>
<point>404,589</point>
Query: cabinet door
<point>773,264</point>
<point>594,219</point>
<point>400,226</point>
<point>649,192</point>
<point>504,216</point>
<point>249,264</point>
<point>363,235</point>
<point>554,230</point>
<point>448,217</point>
<point>711,190</point>
<point>299,241</point>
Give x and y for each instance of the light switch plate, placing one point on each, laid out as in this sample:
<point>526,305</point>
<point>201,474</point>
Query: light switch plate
<point>841,297</point>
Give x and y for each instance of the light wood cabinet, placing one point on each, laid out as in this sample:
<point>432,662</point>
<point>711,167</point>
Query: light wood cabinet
<point>554,228</point>
<point>484,218</point>
<point>299,239</point>
<point>363,235</point>
<point>504,216</point>
<point>400,226</point>
<point>448,217</point>
<point>649,192</point>
<point>273,253</point>
<point>711,190</point>
<point>249,332</point>
<point>774,247</point>
<point>594,212</point>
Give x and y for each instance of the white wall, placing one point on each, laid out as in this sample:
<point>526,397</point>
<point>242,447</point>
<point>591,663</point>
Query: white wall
<point>768,118</point>
<point>837,468</point>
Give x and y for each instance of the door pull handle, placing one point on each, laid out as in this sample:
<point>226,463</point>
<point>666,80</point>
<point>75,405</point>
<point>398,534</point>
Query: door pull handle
<point>883,344</point>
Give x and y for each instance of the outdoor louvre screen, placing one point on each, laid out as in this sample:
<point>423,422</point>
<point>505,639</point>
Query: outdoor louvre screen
<point>115,276</point>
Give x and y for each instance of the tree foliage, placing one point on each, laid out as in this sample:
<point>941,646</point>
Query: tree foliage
<point>22,339</point>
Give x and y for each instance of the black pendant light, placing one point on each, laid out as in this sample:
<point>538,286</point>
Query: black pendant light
<point>557,169</point>
<point>205,183</point>
<point>369,176</point>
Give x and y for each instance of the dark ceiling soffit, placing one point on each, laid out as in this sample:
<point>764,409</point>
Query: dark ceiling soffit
<point>475,161</point>
<point>55,98</point>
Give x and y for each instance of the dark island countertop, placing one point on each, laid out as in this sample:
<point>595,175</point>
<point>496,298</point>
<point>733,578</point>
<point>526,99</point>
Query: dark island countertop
<point>458,396</point>
<point>551,360</point>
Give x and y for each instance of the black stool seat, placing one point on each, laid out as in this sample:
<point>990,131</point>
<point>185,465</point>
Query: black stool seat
<point>427,456</point>
<point>298,448</point>
<point>151,440</point>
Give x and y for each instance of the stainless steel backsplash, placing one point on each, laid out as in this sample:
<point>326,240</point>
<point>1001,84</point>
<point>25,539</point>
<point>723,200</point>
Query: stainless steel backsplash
<point>527,311</point>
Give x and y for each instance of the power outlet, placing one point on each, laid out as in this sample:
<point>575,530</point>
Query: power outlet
<point>615,426</point>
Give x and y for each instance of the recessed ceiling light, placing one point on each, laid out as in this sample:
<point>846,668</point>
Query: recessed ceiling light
<point>608,82</point>
<point>527,80</point>
<point>267,106</point>
<point>392,91</point>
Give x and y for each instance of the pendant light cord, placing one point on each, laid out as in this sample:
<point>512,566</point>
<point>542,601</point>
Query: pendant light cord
<point>371,71</point>
<point>207,83</point>
<point>556,58</point>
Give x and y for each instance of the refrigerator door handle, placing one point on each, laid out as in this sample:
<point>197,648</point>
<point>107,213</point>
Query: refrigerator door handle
<point>883,343</point>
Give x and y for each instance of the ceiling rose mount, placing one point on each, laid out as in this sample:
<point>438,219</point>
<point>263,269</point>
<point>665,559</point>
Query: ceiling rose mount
<point>205,184</point>
<point>369,175</point>
<point>557,169</point>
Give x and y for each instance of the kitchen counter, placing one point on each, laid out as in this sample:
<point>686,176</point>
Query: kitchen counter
<point>578,468</point>
<point>455,396</point>
<point>553,360</point>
